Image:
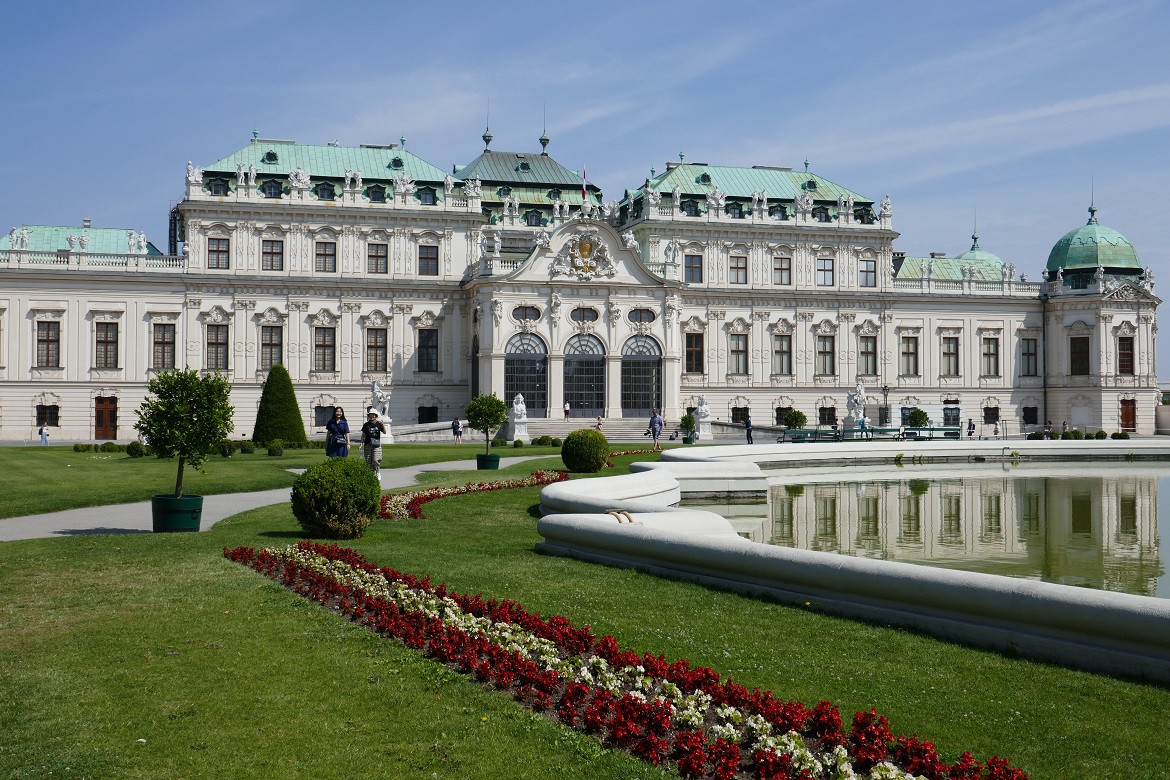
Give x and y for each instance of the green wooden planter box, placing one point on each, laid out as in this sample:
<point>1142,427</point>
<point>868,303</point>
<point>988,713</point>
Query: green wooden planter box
<point>172,514</point>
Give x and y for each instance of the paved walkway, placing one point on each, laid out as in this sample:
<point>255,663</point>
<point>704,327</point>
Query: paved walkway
<point>135,518</point>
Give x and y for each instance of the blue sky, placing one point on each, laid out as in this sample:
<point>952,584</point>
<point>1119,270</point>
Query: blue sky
<point>1016,110</point>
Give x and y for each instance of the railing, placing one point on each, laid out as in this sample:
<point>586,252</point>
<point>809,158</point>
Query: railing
<point>13,258</point>
<point>1013,288</point>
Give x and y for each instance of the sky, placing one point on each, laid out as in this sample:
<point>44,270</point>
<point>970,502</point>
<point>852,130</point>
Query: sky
<point>1013,114</point>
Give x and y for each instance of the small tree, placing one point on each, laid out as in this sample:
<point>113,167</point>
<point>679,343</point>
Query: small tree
<point>187,418</point>
<point>279,416</point>
<point>917,418</point>
<point>794,418</point>
<point>486,413</point>
<point>688,423</point>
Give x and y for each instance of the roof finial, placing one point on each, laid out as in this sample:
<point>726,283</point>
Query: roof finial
<point>806,165</point>
<point>1092,214</point>
<point>681,156</point>
<point>544,132</point>
<point>651,171</point>
<point>255,133</point>
<point>402,141</point>
<point>1092,198</point>
<point>487,130</point>
<point>975,230</point>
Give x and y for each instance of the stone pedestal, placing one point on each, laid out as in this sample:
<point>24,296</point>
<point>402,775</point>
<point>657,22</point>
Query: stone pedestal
<point>518,430</point>
<point>704,432</point>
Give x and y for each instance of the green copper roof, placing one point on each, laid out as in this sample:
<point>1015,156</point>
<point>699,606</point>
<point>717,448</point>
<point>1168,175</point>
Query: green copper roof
<point>950,268</point>
<point>742,182</point>
<point>1093,245</point>
<point>976,254</point>
<point>525,169</point>
<point>101,241</point>
<point>280,158</point>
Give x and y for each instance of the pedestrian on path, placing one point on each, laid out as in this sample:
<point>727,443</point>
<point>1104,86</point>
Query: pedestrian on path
<point>600,423</point>
<point>970,428</point>
<point>457,430</point>
<point>566,410</point>
<point>372,431</point>
<point>747,427</point>
<point>44,433</point>
<point>337,435</point>
<point>656,426</point>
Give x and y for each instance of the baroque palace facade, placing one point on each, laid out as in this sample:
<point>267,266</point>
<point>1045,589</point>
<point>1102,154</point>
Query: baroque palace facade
<point>762,289</point>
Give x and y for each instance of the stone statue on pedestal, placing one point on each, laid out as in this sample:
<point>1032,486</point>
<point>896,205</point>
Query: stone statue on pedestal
<point>518,417</point>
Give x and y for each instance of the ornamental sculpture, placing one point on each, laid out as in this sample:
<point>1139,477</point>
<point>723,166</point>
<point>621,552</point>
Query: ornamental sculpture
<point>194,175</point>
<point>585,256</point>
<point>298,180</point>
<point>471,187</point>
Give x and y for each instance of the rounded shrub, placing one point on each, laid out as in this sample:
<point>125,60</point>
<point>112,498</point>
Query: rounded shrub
<point>1120,435</point>
<point>1101,435</point>
<point>247,447</point>
<point>227,448</point>
<point>1035,436</point>
<point>794,418</point>
<point>109,446</point>
<point>556,441</point>
<point>499,442</point>
<point>917,418</point>
<point>585,451</point>
<point>79,447</point>
<point>136,450</point>
<point>518,443</point>
<point>337,499</point>
<point>275,447</point>
<point>1077,435</point>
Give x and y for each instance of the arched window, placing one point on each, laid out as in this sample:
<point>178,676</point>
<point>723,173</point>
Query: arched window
<point>584,345</point>
<point>584,375</point>
<point>583,314</point>
<point>641,346</point>
<point>525,344</point>
<point>641,315</point>
<point>526,313</point>
<point>641,376</point>
<point>526,372</point>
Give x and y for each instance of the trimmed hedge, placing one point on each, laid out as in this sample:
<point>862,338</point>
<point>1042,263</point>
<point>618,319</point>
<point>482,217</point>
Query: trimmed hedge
<point>585,451</point>
<point>337,499</point>
<point>279,416</point>
<point>136,450</point>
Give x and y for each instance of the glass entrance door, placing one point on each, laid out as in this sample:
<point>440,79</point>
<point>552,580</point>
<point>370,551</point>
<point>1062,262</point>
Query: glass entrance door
<point>641,377</point>
<point>585,376</point>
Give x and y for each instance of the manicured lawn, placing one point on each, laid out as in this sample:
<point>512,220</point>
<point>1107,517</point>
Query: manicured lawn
<point>105,640</point>
<point>35,480</point>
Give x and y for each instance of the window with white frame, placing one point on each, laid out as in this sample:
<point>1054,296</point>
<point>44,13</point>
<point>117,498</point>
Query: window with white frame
<point>950,356</point>
<point>825,272</point>
<point>376,349</point>
<point>271,346</point>
<point>867,355</point>
<point>737,270</point>
<point>908,360</point>
<point>325,349</point>
<point>105,353</point>
<point>217,348</point>
<point>782,354</point>
<point>163,357</point>
<point>1029,357</point>
<point>782,270</point>
<point>826,355</point>
<point>271,255</point>
<point>738,354</point>
<point>990,356</point>
<point>325,257</point>
<point>867,272</point>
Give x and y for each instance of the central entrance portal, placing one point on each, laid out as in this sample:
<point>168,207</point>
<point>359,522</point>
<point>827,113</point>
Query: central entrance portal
<point>526,372</point>
<point>641,377</point>
<point>585,376</point>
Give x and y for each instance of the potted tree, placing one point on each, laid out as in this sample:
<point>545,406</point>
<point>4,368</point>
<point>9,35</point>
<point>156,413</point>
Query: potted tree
<point>688,425</point>
<point>487,413</point>
<point>187,417</point>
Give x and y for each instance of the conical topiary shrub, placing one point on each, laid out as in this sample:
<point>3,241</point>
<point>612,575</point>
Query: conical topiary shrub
<point>279,417</point>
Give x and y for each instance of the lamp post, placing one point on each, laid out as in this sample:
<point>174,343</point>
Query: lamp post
<point>885,405</point>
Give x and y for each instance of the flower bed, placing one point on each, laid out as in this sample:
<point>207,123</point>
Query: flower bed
<point>665,713</point>
<point>408,506</point>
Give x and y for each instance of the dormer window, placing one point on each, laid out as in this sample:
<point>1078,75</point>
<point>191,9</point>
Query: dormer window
<point>644,316</point>
<point>705,178</point>
<point>583,314</point>
<point>554,194</point>
<point>811,185</point>
<point>821,214</point>
<point>778,212</point>
<point>376,194</point>
<point>505,191</point>
<point>218,187</point>
<point>396,163</point>
<point>690,208</point>
<point>735,210</point>
<point>270,158</point>
<point>272,189</point>
<point>524,166</point>
<point>426,196</point>
<point>525,313</point>
<point>324,191</point>
<point>532,219</point>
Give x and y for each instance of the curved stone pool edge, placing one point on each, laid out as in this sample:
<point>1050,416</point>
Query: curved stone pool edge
<point>1113,633</point>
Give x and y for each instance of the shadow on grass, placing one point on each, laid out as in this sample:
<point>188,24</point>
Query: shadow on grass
<point>283,534</point>
<point>100,530</point>
<point>534,511</point>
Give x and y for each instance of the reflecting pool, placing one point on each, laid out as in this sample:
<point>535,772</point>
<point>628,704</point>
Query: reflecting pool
<point>1094,526</point>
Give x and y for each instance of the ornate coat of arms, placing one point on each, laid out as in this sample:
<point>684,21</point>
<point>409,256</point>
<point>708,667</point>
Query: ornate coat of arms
<point>583,255</point>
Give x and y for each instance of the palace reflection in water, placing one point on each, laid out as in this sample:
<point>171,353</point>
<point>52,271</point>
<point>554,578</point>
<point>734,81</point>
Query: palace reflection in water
<point>1089,531</point>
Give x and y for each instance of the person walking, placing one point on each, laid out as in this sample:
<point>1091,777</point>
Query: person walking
<point>372,431</point>
<point>600,423</point>
<point>337,435</point>
<point>44,434</point>
<point>747,427</point>
<point>567,410</point>
<point>656,426</point>
<point>970,428</point>
<point>457,430</point>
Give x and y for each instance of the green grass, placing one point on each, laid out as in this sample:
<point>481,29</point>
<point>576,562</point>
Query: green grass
<point>105,640</point>
<point>36,480</point>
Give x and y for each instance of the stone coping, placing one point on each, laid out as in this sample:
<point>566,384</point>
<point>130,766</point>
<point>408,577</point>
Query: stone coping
<point>1114,633</point>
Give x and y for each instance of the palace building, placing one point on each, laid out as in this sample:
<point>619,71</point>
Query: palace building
<point>762,289</point>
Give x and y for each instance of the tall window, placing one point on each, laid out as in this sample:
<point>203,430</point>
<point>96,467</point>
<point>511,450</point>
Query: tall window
<point>271,346</point>
<point>908,365</point>
<point>737,270</point>
<point>738,354</point>
<point>272,255</point>
<point>693,268</point>
<point>164,347</point>
<point>825,271</point>
<point>105,354</point>
<point>1125,355</point>
<point>694,353</point>
<point>428,349</point>
<point>376,194</point>
<point>782,270</point>
<point>48,414</point>
<point>375,349</point>
<point>48,345</point>
<point>217,347</point>
<point>325,260</point>
<point>324,349</point>
<point>1029,357</point>
<point>990,356</point>
<point>782,354</point>
<point>428,261</point>
<point>532,219</point>
<point>426,197</point>
<point>950,356</point>
<point>272,189</point>
<point>826,355</point>
<point>867,273</point>
<point>1078,355</point>
<point>218,252</point>
<point>867,355</point>
<point>377,259</point>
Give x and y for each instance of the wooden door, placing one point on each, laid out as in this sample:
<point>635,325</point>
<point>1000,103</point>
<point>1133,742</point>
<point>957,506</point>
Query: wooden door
<point>105,415</point>
<point>1129,415</point>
